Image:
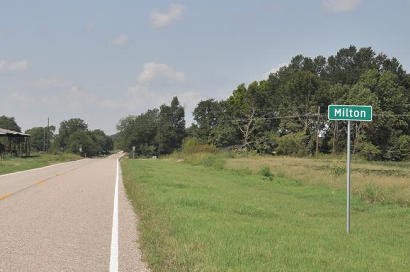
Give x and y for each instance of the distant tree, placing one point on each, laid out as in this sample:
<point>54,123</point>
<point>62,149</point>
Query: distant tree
<point>250,106</point>
<point>81,142</point>
<point>207,114</point>
<point>139,131</point>
<point>74,133</point>
<point>67,128</point>
<point>39,135</point>
<point>383,91</point>
<point>193,132</point>
<point>171,127</point>
<point>226,133</point>
<point>280,114</point>
<point>9,123</point>
<point>104,143</point>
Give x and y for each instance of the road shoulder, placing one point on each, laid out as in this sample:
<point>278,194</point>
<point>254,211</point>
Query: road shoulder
<point>130,255</point>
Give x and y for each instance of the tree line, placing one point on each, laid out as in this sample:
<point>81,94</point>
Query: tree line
<point>73,136</point>
<point>155,132</point>
<point>287,113</point>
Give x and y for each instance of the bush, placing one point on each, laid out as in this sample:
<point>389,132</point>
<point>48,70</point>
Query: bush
<point>265,172</point>
<point>369,151</point>
<point>400,149</point>
<point>373,194</point>
<point>337,168</point>
<point>291,144</point>
<point>192,145</point>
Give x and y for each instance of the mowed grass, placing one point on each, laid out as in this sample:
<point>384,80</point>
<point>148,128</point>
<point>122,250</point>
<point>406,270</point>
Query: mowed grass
<point>10,165</point>
<point>196,218</point>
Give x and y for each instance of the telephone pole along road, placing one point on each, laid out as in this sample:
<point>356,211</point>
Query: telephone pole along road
<point>60,218</point>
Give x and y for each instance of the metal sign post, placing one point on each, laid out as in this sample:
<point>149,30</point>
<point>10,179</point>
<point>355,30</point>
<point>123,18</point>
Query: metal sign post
<point>349,113</point>
<point>348,179</point>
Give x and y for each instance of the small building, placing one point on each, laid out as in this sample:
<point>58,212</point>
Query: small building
<point>14,143</point>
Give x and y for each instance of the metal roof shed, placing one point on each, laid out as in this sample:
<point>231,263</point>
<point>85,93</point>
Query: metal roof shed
<point>17,143</point>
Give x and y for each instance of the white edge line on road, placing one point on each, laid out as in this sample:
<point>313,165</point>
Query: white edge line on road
<point>114,236</point>
<point>39,168</point>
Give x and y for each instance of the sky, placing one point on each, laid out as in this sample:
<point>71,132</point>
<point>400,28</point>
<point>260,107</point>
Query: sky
<point>104,60</point>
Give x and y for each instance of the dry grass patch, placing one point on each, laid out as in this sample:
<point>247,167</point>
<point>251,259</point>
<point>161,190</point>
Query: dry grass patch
<point>372,182</point>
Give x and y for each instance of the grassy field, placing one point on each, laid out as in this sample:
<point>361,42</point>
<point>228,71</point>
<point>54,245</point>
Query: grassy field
<point>373,182</point>
<point>10,165</point>
<point>198,218</point>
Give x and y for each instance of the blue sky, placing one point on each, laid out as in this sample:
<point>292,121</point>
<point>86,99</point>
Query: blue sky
<point>104,60</point>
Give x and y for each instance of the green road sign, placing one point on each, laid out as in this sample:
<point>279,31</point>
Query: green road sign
<point>350,112</point>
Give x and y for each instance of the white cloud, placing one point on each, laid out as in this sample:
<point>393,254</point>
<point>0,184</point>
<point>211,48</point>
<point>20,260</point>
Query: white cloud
<point>90,27</point>
<point>120,40</point>
<point>76,98</point>
<point>174,13</point>
<point>156,84</point>
<point>340,5</point>
<point>18,65</point>
<point>13,66</point>
<point>73,99</point>
<point>3,66</point>
<point>154,71</point>
<point>47,83</point>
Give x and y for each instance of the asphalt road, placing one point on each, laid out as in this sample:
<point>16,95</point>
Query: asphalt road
<point>62,218</point>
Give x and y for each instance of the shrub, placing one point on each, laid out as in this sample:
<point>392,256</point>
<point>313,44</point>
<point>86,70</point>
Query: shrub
<point>400,149</point>
<point>373,194</point>
<point>337,168</point>
<point>193,145</point>
<point>291,144</point>
<point>265,172</point>
<point>369,151</point>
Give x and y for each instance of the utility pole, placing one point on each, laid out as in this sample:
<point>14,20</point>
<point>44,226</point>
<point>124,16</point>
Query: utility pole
<point>159,138</point>
<point>45,135</point>
<point>44,139</point>
<point>317,131</point>
<point>48,134</point>
<point>348,180</point>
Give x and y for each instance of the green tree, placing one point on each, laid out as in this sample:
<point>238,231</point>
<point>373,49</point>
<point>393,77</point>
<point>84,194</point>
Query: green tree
<point>9,123</point>
<point>41,137</point>
<point>207,114</point>
<point>67,128</point>
<point>139,131</point>
<point>226,132</point>
<point>81,142</point>
<point>249,107</point>
<point>171,127</point>
<point>104,143</point>
<point>391,121</point>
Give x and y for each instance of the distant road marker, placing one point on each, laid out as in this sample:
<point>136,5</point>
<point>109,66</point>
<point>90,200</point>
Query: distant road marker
<point>5,196</point>
<point>41,181</point>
